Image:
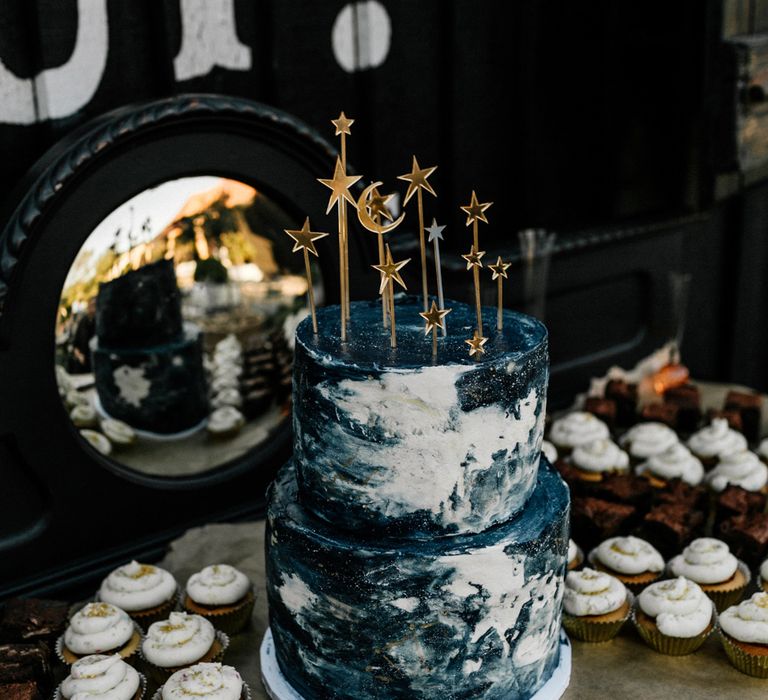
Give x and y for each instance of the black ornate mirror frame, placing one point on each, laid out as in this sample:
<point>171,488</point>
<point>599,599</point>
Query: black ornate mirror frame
<point>66,513</point>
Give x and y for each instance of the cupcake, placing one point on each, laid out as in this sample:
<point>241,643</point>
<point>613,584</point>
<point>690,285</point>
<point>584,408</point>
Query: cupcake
<point>76,398</point>
<point>676,462</point>
<point>227,397</point>
<point>549,451</point>
<point>83,416</point>
<point>674,617</point>
<point>99,676</point>
<point>180,641</point>
<point>709,563</point>
<point>715,440</point>
<point>633,561</point>
<point>98,628</point>
<point>594,459</point>
<point>97,441</point>
<point>119,434</point>
<point>147,593</point>
<point>595,605</point>
<point>204,682</point>
<point>577,428</point>
<point>221,594</point>
<point>645,440</point>
<point>744,634</point>
<point>575,556</point>
<point>742,468</point>
<point>225,422</point>
<point>224,382</point>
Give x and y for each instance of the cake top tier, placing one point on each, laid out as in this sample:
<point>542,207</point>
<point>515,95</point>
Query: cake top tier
<point>368,342</point>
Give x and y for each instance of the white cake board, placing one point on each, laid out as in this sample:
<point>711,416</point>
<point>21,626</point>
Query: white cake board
<point>278,688</point>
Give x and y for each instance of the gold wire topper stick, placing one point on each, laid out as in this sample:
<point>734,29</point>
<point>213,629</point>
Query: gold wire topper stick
<point>339,186</point>
<point>417,181</point>
<point>476,212</point>
<point>435,319</point>
<point>499,269</point>
<point>371,200</point>
<point>342,125</point>
<point>305,241</point>
<point>474,263</point>
<point>476,343</point>
<point>435,236</point>
<point>390,273</point>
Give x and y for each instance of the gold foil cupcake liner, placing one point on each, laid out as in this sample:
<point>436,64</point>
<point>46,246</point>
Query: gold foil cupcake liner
<point>131,657</point>
<point>230,621</point>
<point>725,599</point>
<point>158,675</point>
<point>672,646</point>
<point>588,629</point>
<point>141,694</point>
<point>750,664</point>
<point>245,695</point>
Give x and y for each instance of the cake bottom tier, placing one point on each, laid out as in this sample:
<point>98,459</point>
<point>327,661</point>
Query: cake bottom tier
<point>161,389</point>
<point>474,616</point>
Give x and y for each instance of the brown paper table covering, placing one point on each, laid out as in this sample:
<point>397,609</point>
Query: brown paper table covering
<point>622,668</point>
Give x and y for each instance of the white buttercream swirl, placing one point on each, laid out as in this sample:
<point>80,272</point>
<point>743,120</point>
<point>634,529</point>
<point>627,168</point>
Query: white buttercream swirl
<point>227,397</point>
<point>647,439</point>
<point>629,555</point>
<point>600,456</point>
<point>676,462</point>
<point>98,628</point>
<point>137,586</point>
<point>680,607</point>
<point>717,439</point>
<point>549,450</point>
<point>742,469</point>
<point>99,677</point>
<point>204,681</point>
<point>577,428</point>
<point>118,432</point>
<point>219,584</point>
<point>747,621</point>
<point>590,592</point>
<point>705,561</point>
<point>180,640</point>
<point>573,550</point>
<point>225,419</point>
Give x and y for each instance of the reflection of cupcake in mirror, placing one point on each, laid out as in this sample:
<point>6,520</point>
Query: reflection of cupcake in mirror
<point>225,422</point>
<point>98,441</point>
<point>75,398</point>
<point>227,397</point>
<point>224,381</point>
<point>120,434</point>
<point>63,381</point>
<point>83,416</point>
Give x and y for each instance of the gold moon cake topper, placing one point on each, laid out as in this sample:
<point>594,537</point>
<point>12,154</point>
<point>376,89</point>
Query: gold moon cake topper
<point>365,218</point>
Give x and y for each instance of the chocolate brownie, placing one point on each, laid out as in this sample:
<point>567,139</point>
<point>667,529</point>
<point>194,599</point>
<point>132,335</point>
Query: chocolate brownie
<point>687,398</point>
<point>735,500</point>
<point>747,535</point>
<point>604,409</point>
<point>31,619</point>
<point>25,662</point>
<point>625,396</point>
<point>624,488</point>
<point>27,690</point>
<point>671,526</point>
<point>680,492</point>
<point>750,407</point>
<point>666,413</point>
<point>594,519</point>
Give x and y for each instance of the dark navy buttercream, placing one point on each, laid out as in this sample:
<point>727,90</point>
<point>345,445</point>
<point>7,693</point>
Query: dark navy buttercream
<point>466,616</point>
<point>398,442</point>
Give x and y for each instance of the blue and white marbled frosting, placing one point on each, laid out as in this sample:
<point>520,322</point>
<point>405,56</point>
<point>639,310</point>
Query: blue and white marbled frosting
<point>397,442</point>
<point>467,616</point>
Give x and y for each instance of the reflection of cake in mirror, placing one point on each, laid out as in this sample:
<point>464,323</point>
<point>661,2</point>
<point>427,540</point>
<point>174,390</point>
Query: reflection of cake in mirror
<point>148,364</point>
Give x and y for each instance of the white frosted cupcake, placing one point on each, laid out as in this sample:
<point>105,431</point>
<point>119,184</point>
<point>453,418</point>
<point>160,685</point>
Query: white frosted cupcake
<point>120,434</point>
<point>227,397</point>
<point>223,595</point>
<point>674,617</point>
<point>710,563</point>
<point>635,562</point>
<point>575,555</point>
<point>225,422</point>
<point>100,677</point>
<point>645,440</point>
<point>597,458</point>
<point>676,462</point>
<point>715,440</point>
<point>76,398</point>
<point>98,441</point>
<point>744,634</point>
<point>595,605</point>
<point>146,592</point>
<point>549,451</point>
<point>205,682</point>
<point>98,628</point>
<point>742,468</point>
<point>180,641</point>
<point>577,428</point>
<point>83,416</point>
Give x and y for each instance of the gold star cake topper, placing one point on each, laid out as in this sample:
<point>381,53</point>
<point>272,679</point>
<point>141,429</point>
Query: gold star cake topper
<point>473,258</point>
<point>339,186</point>
<point>434,319</point>
<point>390,273</point>
<point>475,211</point>
<point>499,270</point>
<point>304,240</point>
<point>417,181</point>
<point>342,124</point>
<point>476,343</point>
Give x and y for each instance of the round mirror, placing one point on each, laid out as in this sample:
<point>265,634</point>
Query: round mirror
<point>175,327</point>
